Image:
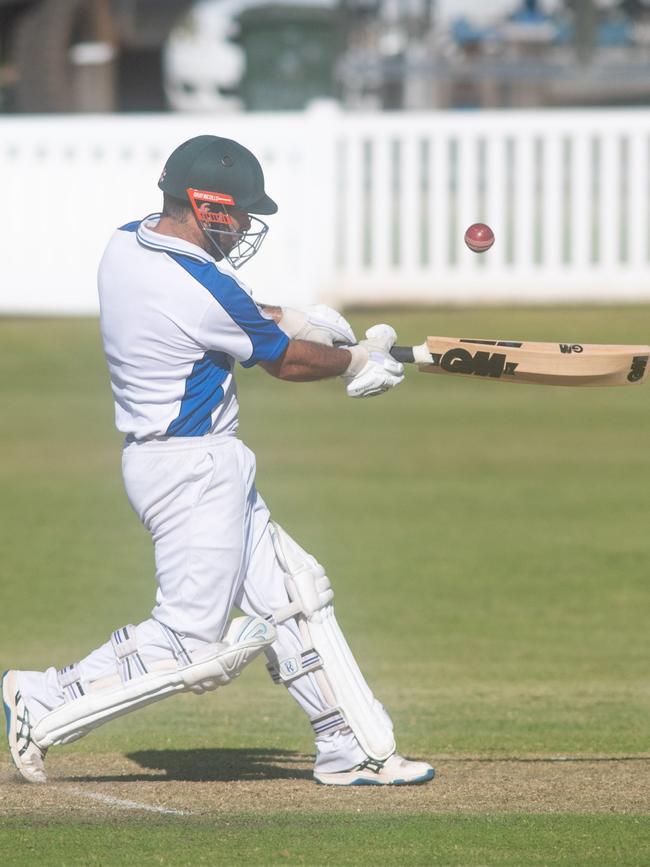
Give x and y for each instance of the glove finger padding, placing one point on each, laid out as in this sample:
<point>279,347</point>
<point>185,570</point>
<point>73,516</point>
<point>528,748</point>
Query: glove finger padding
<point>373,370</point>
<point>382,335</point>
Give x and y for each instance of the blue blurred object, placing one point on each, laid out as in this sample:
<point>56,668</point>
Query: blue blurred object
<point>464,32</point>
<point>530,13</point>
<point>618,31</point>
<point>612,32</point>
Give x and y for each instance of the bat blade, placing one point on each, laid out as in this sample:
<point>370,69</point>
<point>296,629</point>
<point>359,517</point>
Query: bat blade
<point>567,364</point>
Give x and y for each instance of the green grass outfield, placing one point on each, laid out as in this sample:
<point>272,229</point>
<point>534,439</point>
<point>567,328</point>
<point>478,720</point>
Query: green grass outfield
<point>490,552</point>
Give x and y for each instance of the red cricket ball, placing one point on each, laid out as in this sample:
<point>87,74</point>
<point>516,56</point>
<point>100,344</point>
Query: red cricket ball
<point>479,237</point>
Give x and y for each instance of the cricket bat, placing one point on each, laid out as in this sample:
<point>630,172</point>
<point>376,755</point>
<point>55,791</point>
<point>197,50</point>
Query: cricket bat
<point>575,364</point>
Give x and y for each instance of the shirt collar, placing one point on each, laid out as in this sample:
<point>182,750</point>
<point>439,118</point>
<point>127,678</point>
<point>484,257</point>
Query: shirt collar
<point>168,243</point>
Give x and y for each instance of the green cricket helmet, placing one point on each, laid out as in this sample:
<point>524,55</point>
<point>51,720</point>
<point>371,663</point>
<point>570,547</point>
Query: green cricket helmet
<point>216,174</point>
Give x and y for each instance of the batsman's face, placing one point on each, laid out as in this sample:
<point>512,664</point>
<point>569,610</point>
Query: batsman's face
<point>240,222</point>
<point>230,233</point>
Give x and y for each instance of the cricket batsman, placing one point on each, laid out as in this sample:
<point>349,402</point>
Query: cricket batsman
<point>173,326</point>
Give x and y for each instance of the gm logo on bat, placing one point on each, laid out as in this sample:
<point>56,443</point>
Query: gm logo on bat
<point>480,363</point>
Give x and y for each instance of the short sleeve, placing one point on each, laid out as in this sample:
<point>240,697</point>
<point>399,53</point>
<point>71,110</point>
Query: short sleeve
<point>232,322</point>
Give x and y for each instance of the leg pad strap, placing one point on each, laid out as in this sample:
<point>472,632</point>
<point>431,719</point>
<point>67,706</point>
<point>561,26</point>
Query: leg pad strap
<point>70,682</point>
<point>331,720</point>
<point>291,667</point>
<point>125,648</point>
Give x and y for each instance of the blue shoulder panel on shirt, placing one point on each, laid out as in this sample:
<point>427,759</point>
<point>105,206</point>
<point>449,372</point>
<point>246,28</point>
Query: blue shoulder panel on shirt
<point>269,341</point>
<point>130,227</point>
<point>203,392</point>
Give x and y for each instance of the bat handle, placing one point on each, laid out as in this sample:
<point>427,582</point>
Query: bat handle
<point>403,354</point>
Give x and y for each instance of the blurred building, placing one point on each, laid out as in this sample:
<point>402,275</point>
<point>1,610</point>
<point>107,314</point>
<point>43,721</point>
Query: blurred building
<point>526,53</point>
<point>250,55</point>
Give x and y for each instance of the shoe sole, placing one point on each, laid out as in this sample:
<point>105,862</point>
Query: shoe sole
<point>362,781</point>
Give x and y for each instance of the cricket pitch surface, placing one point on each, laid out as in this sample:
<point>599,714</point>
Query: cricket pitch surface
<point>215,782</point>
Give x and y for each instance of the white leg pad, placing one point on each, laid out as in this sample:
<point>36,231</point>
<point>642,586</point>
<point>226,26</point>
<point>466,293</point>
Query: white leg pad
<point>327,653</point>
<point>90,705</point>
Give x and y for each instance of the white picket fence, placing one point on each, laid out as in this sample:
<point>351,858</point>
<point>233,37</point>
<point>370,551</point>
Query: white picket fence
<point>372,207</point>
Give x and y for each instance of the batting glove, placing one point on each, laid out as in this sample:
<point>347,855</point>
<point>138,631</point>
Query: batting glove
<point>318,323</point>
<point>373,370</point>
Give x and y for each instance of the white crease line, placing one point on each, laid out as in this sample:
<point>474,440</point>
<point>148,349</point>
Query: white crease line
<point>110,801</point>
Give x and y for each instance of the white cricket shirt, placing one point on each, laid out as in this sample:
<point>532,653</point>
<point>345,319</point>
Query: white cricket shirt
<point>173,325</point>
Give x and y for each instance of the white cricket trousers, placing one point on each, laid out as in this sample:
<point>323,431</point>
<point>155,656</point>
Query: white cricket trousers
<point>213,549</point>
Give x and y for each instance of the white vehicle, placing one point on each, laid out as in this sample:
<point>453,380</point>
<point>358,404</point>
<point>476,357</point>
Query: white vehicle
<point>202,66</point>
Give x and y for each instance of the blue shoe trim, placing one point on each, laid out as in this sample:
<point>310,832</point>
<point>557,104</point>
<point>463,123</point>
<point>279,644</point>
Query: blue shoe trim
<point>430,774</point>
<point>360,781</point>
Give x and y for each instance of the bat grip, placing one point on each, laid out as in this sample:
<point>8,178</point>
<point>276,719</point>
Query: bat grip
<point>403,354</point>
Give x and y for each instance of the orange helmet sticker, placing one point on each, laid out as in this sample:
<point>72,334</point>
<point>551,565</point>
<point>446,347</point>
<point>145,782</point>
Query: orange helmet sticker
<point>203,203</point>
<point>213,198</point>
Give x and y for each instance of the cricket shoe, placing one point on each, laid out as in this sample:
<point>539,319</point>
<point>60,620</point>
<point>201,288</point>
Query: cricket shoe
<point>26,755</point>
<point>394,771</point>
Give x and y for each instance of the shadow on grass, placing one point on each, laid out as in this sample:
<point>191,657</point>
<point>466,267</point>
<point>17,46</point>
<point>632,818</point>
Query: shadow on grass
<point>210,765</point>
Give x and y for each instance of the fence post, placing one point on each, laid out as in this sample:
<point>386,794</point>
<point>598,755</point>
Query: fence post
<point>318,223</point>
